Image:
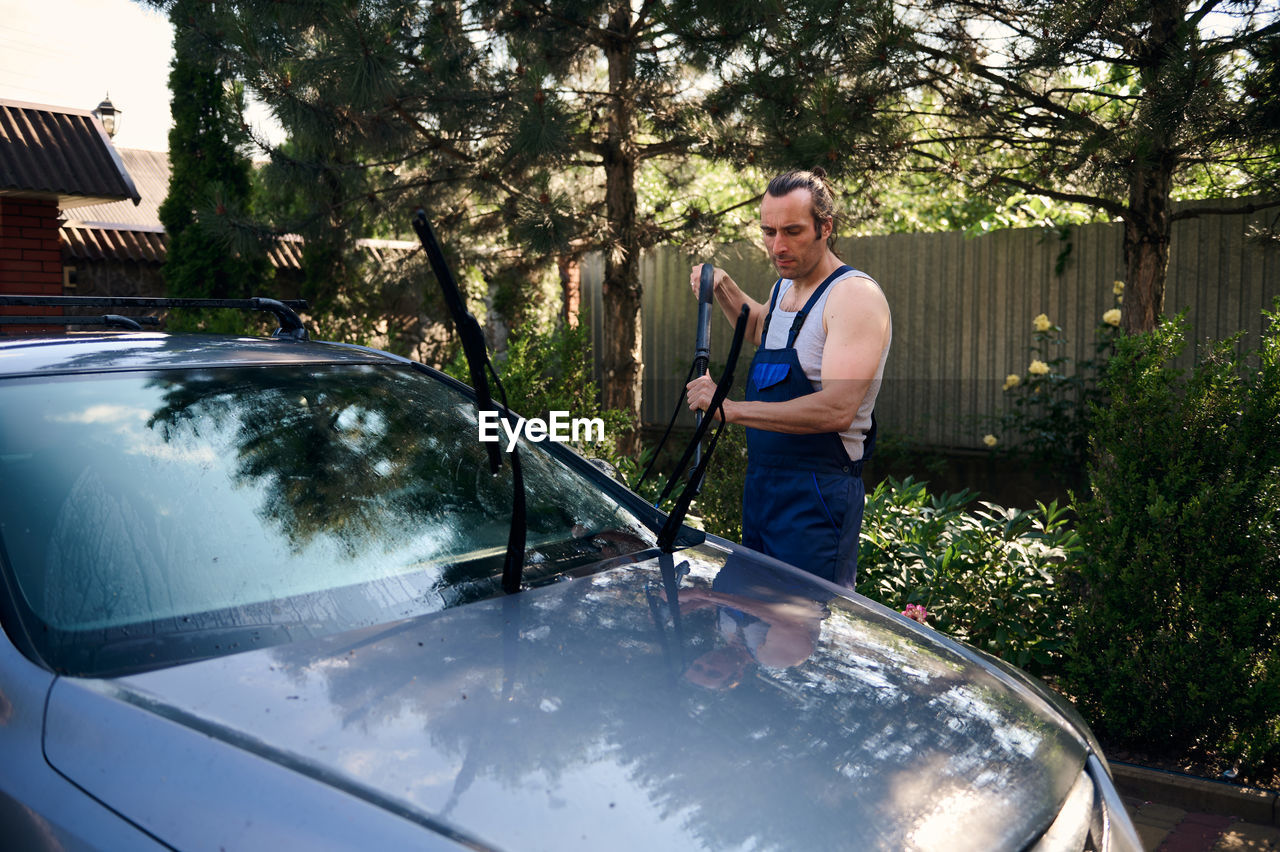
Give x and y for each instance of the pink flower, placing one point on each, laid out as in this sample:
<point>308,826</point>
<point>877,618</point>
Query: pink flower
<point>916,613</point>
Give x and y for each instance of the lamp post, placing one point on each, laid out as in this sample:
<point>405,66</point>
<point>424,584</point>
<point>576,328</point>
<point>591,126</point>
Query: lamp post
<point>107,113</point>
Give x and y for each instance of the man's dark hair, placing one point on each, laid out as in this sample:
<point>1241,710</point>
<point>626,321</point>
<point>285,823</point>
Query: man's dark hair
<point>823,204</point>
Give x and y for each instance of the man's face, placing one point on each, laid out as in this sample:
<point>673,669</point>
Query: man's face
<point>795,246</point>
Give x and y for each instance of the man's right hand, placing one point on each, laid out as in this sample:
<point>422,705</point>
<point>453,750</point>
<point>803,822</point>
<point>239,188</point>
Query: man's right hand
<point>730,298</point>
<point>700,392</point>
<point>717,280</point>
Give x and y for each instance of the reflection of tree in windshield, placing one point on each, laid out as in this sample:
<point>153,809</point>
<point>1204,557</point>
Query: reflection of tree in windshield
<point>303,498</point>
<point>527,700</point>
<point>369,457</point>
<point>331,456</point>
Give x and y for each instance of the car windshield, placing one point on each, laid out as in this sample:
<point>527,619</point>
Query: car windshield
<point>153,517</point>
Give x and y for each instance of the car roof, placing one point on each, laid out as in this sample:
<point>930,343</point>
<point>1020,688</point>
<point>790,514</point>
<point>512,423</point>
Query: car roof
<point>121,351</point>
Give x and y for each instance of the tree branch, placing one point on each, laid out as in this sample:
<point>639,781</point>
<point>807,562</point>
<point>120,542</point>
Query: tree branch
<point>439,144</point>
<point>1037,99</point>
<point>1115,208</point>
<point>1241,209</point>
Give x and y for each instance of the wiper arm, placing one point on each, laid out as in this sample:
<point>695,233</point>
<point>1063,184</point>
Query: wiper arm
<point>667,537</point>
<point>478,362</point>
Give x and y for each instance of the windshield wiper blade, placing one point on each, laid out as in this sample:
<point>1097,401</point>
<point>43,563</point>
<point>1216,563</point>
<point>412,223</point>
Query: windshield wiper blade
<point>667,537</point>
<point>473,346</point>
<point>468,328</point>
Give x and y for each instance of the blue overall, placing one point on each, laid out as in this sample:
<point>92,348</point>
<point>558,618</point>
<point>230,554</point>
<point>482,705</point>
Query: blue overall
<point>803,498</point>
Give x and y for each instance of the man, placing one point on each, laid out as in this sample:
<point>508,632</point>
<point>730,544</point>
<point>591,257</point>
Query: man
<point>823,340</point>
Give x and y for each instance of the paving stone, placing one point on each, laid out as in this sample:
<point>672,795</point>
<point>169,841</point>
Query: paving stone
<point>1210,822</point>
<point>1247,837</point>
<point>1158,814</point>
<point>1183,841</point>
<point>1151,836</point>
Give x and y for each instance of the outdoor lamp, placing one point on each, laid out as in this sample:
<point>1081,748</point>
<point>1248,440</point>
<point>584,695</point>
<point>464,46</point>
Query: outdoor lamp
<point>107,113</point>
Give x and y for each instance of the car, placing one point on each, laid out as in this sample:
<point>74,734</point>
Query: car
<point>253,598</point>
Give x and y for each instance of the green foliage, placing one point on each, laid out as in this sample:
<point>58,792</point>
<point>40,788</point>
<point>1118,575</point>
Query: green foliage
<point>1113,105</point>
<point>209,185</point>
<point>822,85</point>
<point>551,370</point>
<point>991,577</point>
<point>1051,402</point>
<point>720,501</point>
<point>528,130</point>
<point>1175,637</point>
<point>708,201</point>
<point>908,202</point>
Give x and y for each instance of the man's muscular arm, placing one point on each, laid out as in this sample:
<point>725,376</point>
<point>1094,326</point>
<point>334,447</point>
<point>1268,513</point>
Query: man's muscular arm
<point>856,319</point>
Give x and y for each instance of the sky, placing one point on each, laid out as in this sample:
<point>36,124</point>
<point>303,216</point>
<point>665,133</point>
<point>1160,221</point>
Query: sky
<point>73,53</point>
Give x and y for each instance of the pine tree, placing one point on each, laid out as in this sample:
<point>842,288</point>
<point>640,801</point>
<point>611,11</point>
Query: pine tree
<point>210,178</point>
<point>1121,105</point>
<point>521,125</point>
<point>528,126</point>
<point>823,85</point>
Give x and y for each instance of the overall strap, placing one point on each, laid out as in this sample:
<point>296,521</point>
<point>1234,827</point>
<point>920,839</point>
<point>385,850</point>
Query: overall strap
<point>768,315</point>
<point>813,300</point>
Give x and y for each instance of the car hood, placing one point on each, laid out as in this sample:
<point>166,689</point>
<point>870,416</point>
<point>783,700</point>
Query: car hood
<point>773,712</point>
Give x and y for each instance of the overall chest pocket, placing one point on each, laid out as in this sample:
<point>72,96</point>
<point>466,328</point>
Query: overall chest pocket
<point>767,375</point>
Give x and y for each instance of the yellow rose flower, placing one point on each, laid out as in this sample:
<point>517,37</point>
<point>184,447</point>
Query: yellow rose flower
<point>1112,317</point>
<point>990,440</point>
<point>1042,323</point>
<point>1117,287</point>
<point>1038,368</point>
<point>1012,381</point>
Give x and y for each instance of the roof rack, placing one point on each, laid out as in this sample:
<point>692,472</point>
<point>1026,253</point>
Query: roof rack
<point>131,323</point>
<point>285,311</point>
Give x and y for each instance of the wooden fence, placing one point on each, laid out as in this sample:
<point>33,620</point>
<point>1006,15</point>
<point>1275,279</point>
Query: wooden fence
<point>962,310</point>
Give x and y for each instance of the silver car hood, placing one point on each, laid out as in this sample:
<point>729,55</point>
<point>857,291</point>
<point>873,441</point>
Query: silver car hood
<point>589,714</point>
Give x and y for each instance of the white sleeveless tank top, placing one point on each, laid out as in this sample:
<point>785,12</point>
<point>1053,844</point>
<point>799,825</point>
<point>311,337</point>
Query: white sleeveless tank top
<point>809,343</point>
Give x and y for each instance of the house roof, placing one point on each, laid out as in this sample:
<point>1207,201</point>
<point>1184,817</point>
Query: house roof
<point>147,244</point>
<point>60,153</point>
<point>150,173</point>
<point>93,242</point>
<point>123,231</point>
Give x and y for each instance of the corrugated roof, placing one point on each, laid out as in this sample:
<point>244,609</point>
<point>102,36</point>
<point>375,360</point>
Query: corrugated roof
<point>92,242</point>
<point>150,173</point>
<point>286,252</point>
<point>122,231</point>
<point>55,152</point>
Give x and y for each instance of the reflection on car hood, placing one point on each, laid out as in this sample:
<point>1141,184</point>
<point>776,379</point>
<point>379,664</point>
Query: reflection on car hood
<point>772,714</point>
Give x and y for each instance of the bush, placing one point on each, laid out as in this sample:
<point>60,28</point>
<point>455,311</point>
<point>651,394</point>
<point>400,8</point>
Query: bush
<point>1175,634</point>
<point>1048,418</point>
<point>550,370</point>
<point>989,577</point>
<point>720,501</point>
<point>546,371</point>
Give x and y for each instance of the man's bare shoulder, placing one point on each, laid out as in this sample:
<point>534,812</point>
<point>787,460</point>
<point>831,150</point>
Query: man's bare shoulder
<point>858,294</point>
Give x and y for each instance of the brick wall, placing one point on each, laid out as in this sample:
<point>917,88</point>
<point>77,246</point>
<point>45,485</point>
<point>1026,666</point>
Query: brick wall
<point>30,255</point>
